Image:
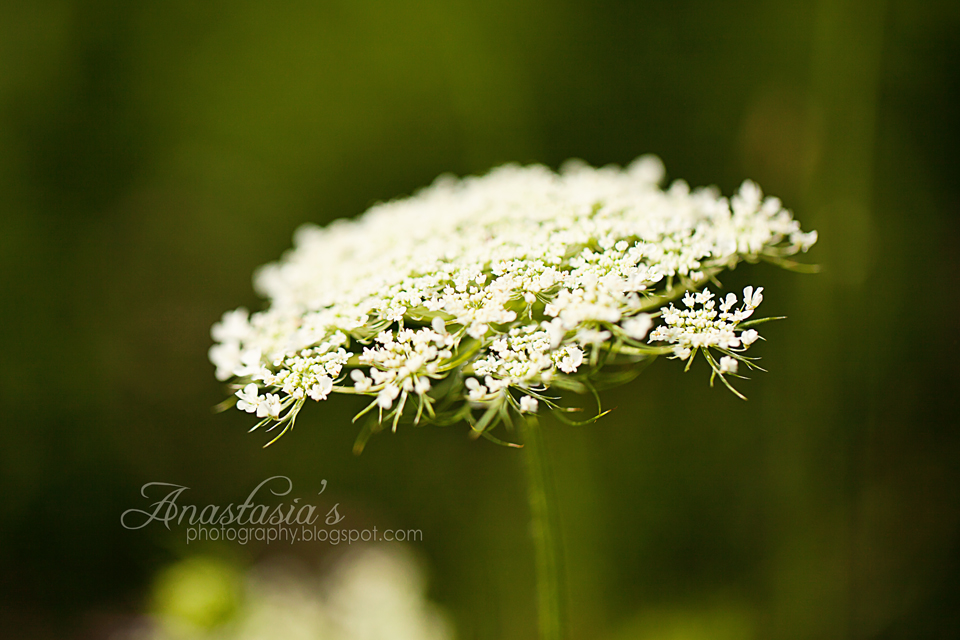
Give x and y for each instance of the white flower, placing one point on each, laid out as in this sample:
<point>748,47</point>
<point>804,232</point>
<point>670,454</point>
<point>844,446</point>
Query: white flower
<point>250,363</point>
<point>422,385</point>
<point>728,364</point>
<point>504,278</point>
<point>360,382</point>
<point>639,326</point>
<point>226,358</point>
<point>387,395</point>
<point>572,358</point>
<point>322,388</point>
<point>233,327</point>
<point>728,302</point>
<point>270,407</point>
<point>702,326</point>
<point>751,298</point>
<point>529,404</point>
<point>803,241</point>
<point>249,398</point>
<point>476,391</point>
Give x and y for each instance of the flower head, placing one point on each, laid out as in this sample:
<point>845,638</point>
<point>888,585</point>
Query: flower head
<point>470,299</point>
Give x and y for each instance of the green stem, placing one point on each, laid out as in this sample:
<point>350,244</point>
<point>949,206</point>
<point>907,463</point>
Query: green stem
<point>546,534</point>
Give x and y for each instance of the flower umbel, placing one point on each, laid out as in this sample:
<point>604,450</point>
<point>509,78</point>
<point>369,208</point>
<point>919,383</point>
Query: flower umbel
<point>475,298</point>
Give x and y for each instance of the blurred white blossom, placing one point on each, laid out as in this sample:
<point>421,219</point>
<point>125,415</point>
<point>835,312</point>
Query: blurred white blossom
<point>528,404</point>
<point>728,365</point>
<point>372,593</point>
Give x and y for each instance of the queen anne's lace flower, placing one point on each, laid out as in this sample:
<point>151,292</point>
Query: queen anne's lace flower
<point>468,300</point>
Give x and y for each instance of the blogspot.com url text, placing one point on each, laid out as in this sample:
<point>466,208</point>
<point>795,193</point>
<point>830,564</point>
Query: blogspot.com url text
<point>291,535</point>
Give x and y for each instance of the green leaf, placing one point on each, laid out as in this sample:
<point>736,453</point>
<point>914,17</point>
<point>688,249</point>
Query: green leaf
<point>753,323</point>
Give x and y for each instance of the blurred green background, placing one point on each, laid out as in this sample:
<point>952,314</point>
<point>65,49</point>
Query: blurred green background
<point>153,154</point>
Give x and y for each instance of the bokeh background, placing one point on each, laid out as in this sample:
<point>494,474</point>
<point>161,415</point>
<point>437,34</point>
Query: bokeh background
<point>153,154</point>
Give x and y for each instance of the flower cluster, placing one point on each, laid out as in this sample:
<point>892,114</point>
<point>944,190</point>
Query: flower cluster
<point>372,591</point>
<point>471,299</point>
